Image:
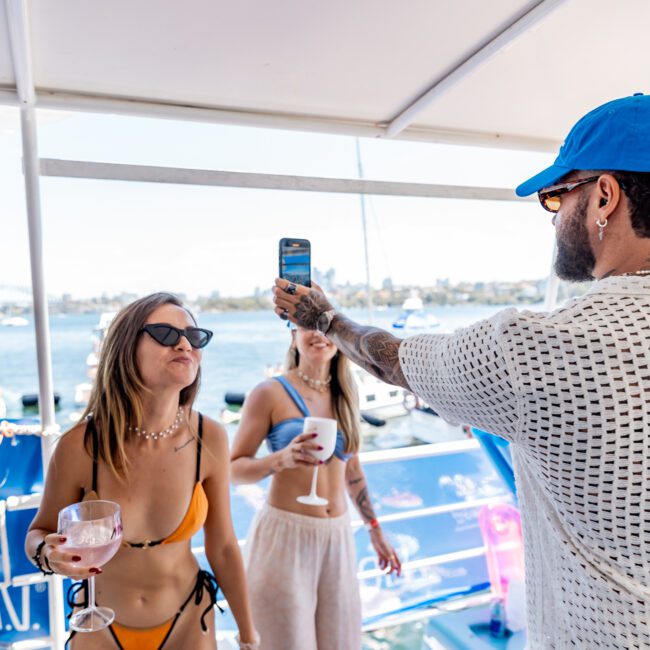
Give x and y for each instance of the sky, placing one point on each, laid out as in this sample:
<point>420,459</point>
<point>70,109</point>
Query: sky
<point>108,237</point>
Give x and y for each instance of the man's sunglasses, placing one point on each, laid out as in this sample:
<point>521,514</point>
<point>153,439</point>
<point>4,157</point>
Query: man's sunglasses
<point>169,335</point>
<point>550,199</point>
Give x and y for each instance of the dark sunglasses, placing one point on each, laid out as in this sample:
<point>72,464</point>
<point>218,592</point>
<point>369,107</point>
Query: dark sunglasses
<point>169,335</point>
<point>550,199</point>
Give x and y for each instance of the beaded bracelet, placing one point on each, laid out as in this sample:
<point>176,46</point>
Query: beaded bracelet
<point>254,645</point>
<point>37,561</point>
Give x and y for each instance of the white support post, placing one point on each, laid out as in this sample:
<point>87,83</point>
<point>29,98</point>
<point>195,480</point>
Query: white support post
<point>35,228</point>
<point>21,52</point>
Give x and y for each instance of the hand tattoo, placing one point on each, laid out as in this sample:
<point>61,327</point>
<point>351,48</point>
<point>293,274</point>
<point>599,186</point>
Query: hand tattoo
<point>309,308</point>
<point>369,347</point>
<point>373,349</point>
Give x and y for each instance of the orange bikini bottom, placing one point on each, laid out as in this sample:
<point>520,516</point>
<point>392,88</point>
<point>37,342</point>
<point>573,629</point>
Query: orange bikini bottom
<point>152,638</point>
<point>142,638</point>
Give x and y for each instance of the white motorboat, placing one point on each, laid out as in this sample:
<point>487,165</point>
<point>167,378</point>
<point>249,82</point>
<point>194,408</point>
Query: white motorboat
<point>14,321</point>
<point>414,316</point>
<point>82,390</point>
<point>378,399</point>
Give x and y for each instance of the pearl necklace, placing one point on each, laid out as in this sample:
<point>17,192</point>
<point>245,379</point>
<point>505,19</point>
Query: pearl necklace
<point>641,272</point>
<point>321,386</point>
<point>151,435</point>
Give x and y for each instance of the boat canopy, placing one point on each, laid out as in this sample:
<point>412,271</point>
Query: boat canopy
<point>511,73</point>
<point>503,73</point>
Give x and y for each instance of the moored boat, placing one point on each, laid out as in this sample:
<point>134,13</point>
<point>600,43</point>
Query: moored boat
<point>14,321</point>
<point>414,317</point>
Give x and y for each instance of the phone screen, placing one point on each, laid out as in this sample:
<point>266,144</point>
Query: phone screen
<point>295,261</point>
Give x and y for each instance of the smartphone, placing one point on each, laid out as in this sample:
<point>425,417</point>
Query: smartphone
<point>295,261</point>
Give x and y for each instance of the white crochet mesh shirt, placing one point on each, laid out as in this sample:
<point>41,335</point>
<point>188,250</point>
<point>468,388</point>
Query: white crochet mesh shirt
<point>571,390</point>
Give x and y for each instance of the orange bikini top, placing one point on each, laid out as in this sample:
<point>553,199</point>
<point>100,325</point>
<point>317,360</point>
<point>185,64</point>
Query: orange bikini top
<point>197,512</point>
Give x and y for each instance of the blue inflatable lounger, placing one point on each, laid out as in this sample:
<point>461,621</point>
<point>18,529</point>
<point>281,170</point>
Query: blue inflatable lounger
<point>24,612</point>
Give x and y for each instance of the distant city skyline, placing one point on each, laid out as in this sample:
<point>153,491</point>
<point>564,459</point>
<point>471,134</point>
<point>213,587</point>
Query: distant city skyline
<point>345,296</point>
<point>22,295</point>
<point>102,236</point>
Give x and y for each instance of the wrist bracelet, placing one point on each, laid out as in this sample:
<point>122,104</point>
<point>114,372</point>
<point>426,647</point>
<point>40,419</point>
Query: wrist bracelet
<point>371,525</point>
<point>39,563</point>
<point>254,645</point>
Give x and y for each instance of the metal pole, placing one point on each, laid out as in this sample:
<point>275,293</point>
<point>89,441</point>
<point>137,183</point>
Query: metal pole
<point>85,169</point>
<point>41,319</point>
<point>21,53</point>
<point>42,327</point>
<point>362,198</point>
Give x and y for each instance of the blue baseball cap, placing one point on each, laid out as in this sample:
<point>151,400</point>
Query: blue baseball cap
<point>614,136</point>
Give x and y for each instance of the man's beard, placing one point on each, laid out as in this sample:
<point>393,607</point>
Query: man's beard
<point>575,260</point>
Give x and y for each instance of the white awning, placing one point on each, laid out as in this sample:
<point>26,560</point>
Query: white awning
<point>499,72</point>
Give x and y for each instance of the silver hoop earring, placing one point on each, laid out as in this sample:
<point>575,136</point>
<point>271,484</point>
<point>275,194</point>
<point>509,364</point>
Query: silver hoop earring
<point>601,228</point>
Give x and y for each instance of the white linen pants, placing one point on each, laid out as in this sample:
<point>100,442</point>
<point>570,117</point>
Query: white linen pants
<point>302,580</point>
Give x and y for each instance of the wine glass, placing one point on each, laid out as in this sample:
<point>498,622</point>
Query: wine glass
<point>325,428</point>
<point>93,531</point>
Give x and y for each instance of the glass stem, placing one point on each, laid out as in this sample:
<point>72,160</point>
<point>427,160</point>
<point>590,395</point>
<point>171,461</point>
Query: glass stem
<point>314,480</point>
<point>91,592</point>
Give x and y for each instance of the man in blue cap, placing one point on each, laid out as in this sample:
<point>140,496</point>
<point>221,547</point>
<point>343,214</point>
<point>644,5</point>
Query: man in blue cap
<point>601,182</point>
<point>569,389</point>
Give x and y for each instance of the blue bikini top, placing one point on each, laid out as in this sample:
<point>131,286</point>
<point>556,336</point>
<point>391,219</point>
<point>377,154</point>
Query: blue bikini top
<point>282,433</point>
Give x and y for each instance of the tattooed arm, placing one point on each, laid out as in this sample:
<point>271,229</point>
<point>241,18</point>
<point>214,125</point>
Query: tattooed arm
<point>358,490</point>
<point>355,481</point>
<point>372,348</point>
<point>369,347</point>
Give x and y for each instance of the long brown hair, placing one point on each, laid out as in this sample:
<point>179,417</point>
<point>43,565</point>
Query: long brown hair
<point>345,399</point>
<point>116,399</point>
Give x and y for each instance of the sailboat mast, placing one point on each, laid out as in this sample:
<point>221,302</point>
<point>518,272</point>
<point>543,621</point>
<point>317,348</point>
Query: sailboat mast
<point>362,198</point>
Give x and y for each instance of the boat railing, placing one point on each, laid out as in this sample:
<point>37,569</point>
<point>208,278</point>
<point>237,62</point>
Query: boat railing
<point>430,568</point>
<point>419,570</point>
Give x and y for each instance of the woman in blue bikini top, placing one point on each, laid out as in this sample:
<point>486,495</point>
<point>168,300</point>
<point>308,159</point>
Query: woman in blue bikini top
<point>282,433</point>
<point>317,381</point>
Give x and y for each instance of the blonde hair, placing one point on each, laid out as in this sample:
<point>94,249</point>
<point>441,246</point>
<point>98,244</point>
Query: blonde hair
<point>345,399</point>
<point>116,399</point>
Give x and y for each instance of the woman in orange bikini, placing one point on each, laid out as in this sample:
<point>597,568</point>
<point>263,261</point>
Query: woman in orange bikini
<point>141,445</point>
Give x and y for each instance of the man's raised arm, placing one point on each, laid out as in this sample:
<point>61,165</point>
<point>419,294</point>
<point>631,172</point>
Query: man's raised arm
<point>372,348</point>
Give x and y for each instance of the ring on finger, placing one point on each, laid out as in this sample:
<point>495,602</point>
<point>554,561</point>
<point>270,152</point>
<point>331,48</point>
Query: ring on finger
<point>285,314</point>
<point>290,288</point>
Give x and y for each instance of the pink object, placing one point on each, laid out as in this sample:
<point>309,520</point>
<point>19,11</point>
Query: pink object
<point>501,530</point>
<point>94,555</point>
